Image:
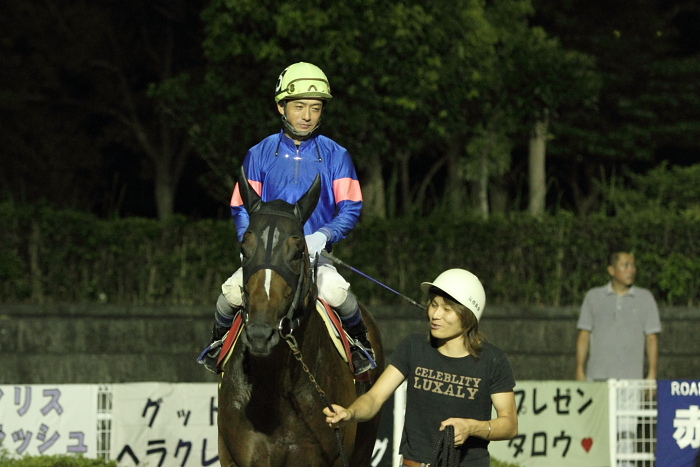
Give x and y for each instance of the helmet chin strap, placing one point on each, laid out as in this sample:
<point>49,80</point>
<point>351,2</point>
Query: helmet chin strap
<point>299,134</point>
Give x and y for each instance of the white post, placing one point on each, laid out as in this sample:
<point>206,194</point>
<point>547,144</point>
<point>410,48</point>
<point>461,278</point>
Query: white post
<point>612,420</point>
<point>399,415</point>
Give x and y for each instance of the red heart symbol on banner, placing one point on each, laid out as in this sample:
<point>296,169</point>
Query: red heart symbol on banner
<point>587,443</point>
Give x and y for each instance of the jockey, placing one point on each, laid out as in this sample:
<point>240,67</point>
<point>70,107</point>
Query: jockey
<point>283,166</point>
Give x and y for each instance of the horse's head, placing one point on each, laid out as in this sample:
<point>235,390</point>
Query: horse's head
<point>276,273</point>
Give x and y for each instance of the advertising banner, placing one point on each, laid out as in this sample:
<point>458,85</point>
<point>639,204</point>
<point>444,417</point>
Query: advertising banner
<point>48,420</point>
<point>678,423</point>
<point>164,424</point>
<point>559,423</point>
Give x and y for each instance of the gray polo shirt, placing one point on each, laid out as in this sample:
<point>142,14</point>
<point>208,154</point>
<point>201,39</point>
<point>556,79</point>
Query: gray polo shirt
<point>618,325</point>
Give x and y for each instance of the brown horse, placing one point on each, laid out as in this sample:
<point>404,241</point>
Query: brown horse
<point>270,406</point>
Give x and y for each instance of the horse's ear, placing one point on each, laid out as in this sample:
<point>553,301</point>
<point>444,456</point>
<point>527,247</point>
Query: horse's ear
<point>307,203</point>
<point>251,200</point>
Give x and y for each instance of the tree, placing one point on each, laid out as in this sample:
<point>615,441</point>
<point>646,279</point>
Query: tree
<point>142,46</point>
<point>82,71</point>
<point>642,49</point>
<point>386,64</point>
<point>541,80</point>
<point>49,150</point>
<point>423,92</point>
<point>525,82</point>
<point>555,81</point>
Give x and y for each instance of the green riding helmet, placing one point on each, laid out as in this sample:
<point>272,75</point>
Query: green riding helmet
<point>302,81</point>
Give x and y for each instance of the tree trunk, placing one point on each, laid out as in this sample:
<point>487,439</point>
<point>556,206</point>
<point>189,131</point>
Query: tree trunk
<point>420,201</point>
<point>537,156</point>
<point>483,182</point>
<point>456,189</point>
<point>407,206</point>
<point>498,195</point>
<point>586,198</point>
<point>373,191</point>
<point>164,192</point>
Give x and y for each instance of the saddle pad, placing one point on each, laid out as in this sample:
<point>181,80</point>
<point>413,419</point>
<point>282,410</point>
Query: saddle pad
<point>230,339</point>
<point>339,337</point>
<point>335,330</point>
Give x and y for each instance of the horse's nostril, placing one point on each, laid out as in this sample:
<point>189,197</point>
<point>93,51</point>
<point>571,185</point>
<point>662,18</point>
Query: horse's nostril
<point>260,339</point>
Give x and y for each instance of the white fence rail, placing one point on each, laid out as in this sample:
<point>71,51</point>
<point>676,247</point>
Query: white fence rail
<point>633,414</point>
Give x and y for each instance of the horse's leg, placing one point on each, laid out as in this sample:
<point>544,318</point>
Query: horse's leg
<point>224,456</point>
<point>367,431</point>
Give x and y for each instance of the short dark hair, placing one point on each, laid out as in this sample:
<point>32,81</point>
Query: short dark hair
<point>615,256</point>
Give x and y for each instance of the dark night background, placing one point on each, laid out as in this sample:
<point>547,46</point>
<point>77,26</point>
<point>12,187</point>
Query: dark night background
<point>96,117</point>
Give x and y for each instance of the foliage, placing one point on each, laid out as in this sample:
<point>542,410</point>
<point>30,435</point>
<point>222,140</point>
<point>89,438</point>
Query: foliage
<point>71,256</point>
<point>647,108</point>
<point>498,463</point>
<point>64,256</point>
<point>662,188</point>
<point>52,461</point>
<point>103,103</point>
<point>414,83</point>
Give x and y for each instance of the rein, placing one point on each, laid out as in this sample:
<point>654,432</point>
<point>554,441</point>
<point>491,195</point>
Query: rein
<point>444,452</point>
<point>292,342</point>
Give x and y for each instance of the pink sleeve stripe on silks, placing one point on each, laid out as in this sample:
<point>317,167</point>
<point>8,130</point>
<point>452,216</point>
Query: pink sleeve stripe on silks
<point>236,199</point>
<point>346,189</point>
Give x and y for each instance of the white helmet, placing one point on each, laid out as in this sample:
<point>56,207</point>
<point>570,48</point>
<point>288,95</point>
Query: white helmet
<point>463,286</point>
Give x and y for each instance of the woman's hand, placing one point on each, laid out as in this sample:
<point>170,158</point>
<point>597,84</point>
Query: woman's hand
<point>338,416</point>
<point>464,428</point>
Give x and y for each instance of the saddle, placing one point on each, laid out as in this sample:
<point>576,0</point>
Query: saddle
<point>333,325</point>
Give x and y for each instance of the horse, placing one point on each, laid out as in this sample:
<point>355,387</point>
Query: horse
<point>271,393</point>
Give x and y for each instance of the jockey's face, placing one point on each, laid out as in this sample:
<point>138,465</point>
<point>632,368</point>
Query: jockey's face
<point>303,114</point>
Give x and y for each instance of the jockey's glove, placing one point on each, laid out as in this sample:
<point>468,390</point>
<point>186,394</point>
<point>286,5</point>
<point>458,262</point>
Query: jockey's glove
<point>315,243</point>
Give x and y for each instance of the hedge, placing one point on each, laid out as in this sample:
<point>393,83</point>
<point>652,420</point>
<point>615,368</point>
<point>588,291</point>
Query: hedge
<point>49,256</point>
<point>52,461</point>
<point>70,461</point>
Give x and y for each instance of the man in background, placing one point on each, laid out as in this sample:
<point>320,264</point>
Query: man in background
<point>619,324</point>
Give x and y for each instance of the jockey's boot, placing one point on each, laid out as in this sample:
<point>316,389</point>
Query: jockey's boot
<point>360,348</point>
<point>210,355</point>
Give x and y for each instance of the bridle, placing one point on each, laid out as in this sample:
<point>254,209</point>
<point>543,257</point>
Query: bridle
<point>300,282</point>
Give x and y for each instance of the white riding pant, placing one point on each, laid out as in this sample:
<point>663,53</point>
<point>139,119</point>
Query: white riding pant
<point>332,288</point>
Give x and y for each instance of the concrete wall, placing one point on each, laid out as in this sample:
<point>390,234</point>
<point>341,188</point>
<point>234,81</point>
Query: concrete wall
<point>60,344</point>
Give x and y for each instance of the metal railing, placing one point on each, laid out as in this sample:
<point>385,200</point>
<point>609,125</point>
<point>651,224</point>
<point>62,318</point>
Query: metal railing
<point>633,413</point>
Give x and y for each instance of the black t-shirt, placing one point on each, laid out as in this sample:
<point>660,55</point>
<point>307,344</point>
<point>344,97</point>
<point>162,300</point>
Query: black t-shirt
<point>441,387</point>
